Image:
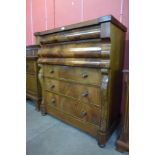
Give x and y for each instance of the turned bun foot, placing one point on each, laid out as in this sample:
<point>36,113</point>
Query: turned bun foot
<point>101,139</point>
<point>101,145</point>
<point>43,113</point>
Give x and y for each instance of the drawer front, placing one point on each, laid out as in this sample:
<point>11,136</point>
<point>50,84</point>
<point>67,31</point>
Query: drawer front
<point>31,66</point>
<point>76,74</point>
<point>31,84</point>
<point>89,49</point>
<point>82,93</point>
<point>71,35</point>
<point>85,112</point>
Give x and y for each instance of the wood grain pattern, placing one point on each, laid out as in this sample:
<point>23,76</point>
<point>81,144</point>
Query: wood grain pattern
<point>82,74</point>
<point>76,122</point>
<point>85,112</point>
<point>95,63</point>
<point>84,33</point>
<point>81,93</point>
<point>93,49</point>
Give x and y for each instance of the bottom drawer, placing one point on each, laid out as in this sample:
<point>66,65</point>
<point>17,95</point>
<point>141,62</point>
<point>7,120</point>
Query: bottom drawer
<point>31,84</point>
<point>83,111</point>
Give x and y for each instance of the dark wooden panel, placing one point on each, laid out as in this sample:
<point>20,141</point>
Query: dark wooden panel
<point>84,33</point>
<point>81,62</point>
<point>91,49</point>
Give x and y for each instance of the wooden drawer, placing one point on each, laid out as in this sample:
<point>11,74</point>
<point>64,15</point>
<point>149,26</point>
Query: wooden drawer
<point>31,66</point>
<point>31,84</point>
<point>83,111</point>
<point>76,109</point>
<point>89,49</point>
<point>82,93</point>
<point>76,74</point>
<point>71,35</point>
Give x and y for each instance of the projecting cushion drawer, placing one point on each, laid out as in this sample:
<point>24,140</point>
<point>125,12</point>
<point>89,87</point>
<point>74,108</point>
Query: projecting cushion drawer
<point>76,109</point>
<point>31,66</point>
<point>71,35</point>
<point>76,74</point>
<point>82,93</point>
<point>31,84</point>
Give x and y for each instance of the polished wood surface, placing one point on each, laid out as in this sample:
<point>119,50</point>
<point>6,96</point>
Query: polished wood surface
<point>78,75</point>
<point>82,93</point>
<point>72,35</point>
<point>87,49</point>
<point>95,63</point>
<point>98,21</point>
<point>123,141</point>
<point>81,74</point>
<point>33,90</point>
<point>73,107</point>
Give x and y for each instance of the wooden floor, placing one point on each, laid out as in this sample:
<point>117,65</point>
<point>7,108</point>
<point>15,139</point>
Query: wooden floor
<point>47,135</point>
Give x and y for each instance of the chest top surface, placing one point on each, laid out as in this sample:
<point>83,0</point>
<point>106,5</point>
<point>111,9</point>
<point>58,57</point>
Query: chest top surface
<point>97,21</point>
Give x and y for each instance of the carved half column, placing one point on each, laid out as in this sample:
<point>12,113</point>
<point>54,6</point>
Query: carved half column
<point>40,77</point>
<point>102,135</point>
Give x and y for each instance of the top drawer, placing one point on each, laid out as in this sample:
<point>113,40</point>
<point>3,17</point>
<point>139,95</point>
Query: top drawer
<point>31,67</point>
<point>72,35</point>
<point>76,74</point>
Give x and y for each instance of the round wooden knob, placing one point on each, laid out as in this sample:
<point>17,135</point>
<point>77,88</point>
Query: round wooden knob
<point>52,86</point>
<point>51,71</point>
<point>53,100</point>
<point>84,94</point>
<point>84,75</point>
<point>83,113</point>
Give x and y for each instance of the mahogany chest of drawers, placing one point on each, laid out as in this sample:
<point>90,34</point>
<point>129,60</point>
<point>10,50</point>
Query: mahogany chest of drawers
<point>33,89</point>
<point>81,83</point>
<point>123,141</point>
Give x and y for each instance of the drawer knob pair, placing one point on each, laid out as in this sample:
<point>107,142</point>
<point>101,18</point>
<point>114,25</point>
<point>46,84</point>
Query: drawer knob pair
<point>84,94</point>
<point>84,75</point>
<point>83,113</point>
